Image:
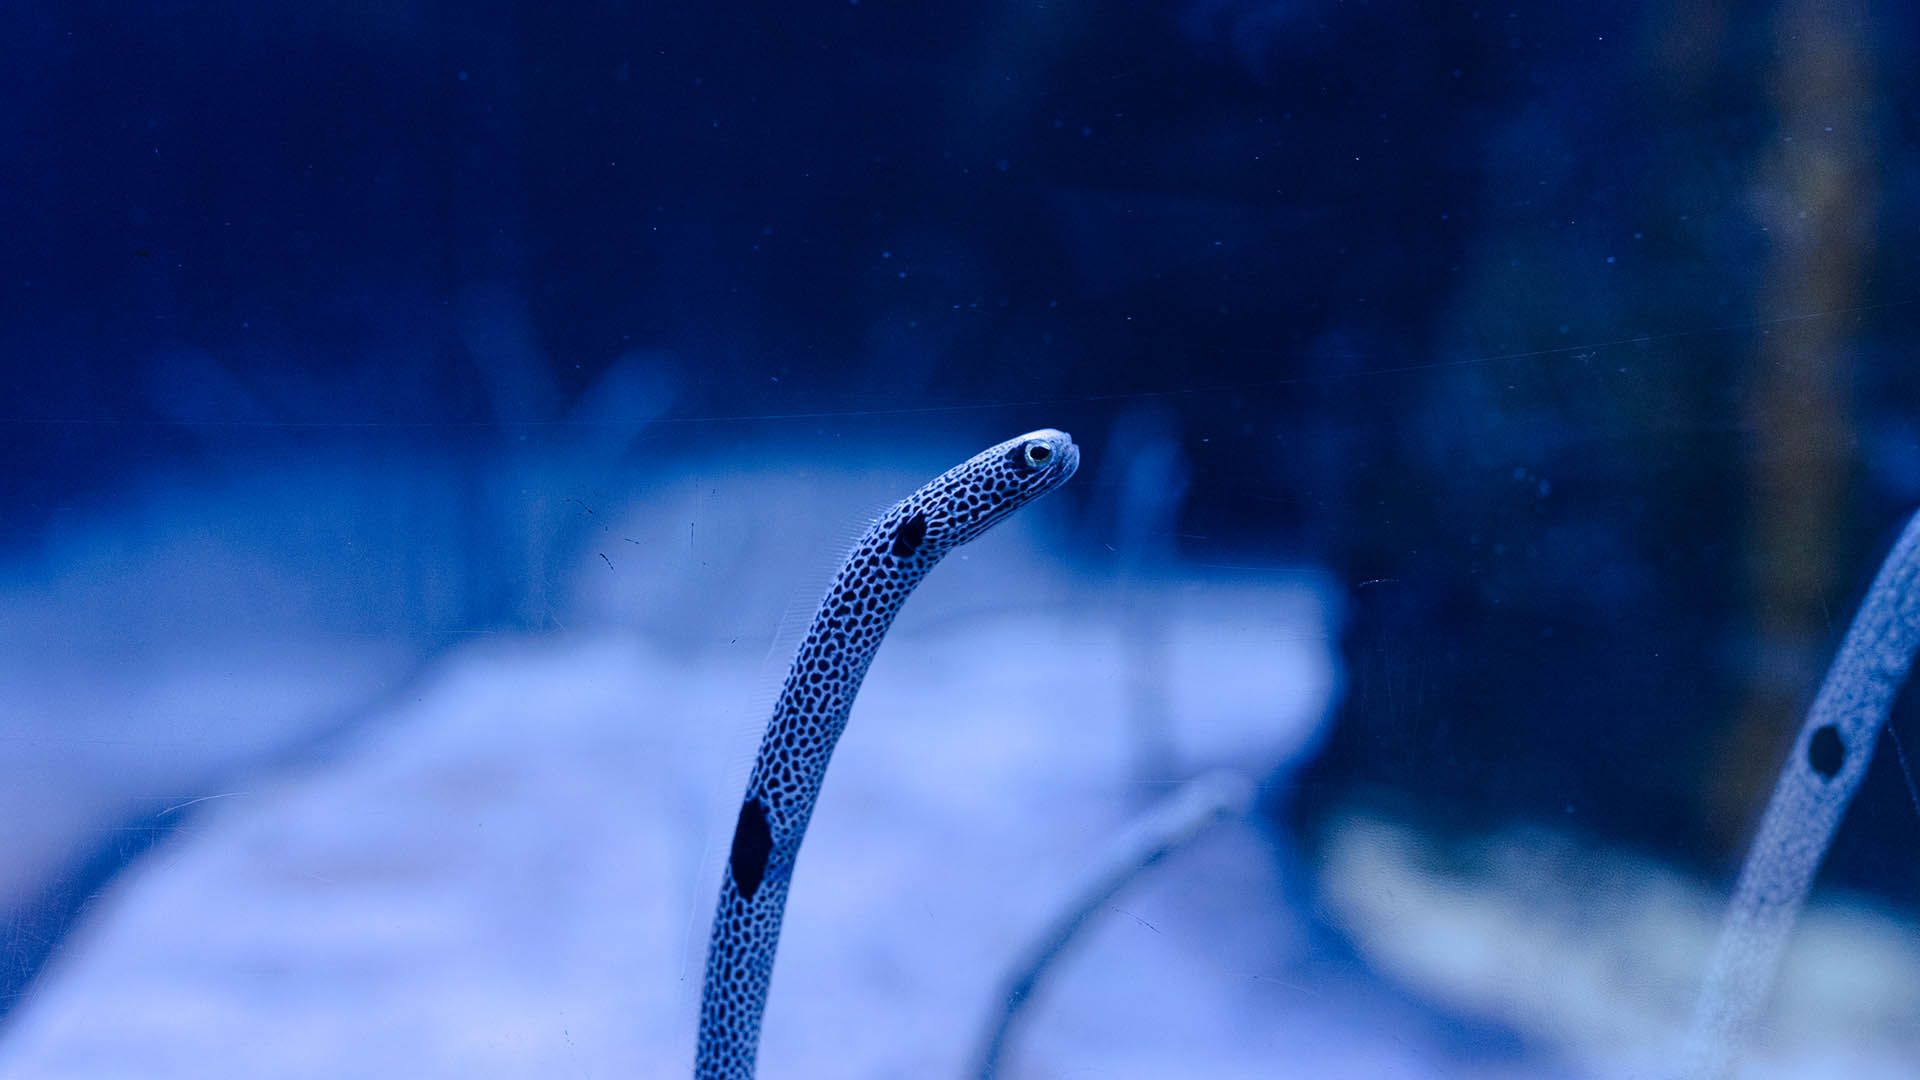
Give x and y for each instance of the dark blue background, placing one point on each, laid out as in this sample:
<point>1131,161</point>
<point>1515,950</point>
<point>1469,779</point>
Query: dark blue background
<point>1481,306</point>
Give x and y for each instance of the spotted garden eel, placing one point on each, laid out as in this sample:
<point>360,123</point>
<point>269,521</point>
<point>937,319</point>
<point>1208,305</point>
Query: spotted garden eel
<point>1818,780</point>
<point>888,560</point>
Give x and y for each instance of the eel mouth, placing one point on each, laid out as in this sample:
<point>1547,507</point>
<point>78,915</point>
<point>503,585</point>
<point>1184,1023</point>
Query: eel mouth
<point>1069,459</point>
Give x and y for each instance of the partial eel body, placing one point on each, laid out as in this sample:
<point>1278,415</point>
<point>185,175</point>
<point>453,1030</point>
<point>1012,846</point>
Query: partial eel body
<point>889,559</point>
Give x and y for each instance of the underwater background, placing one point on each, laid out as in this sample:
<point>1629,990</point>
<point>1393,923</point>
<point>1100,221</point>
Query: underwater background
<point>423,427</point>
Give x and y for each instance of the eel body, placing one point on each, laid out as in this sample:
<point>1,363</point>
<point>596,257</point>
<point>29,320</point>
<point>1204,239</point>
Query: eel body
<point>888,560</point>
<point>1818,781</point>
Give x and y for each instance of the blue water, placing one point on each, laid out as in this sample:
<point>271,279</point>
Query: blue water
<point>424,429</point>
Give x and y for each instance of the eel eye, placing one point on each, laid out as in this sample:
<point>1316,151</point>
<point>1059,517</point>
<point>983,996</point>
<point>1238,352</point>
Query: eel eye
<point>1037,454</point>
